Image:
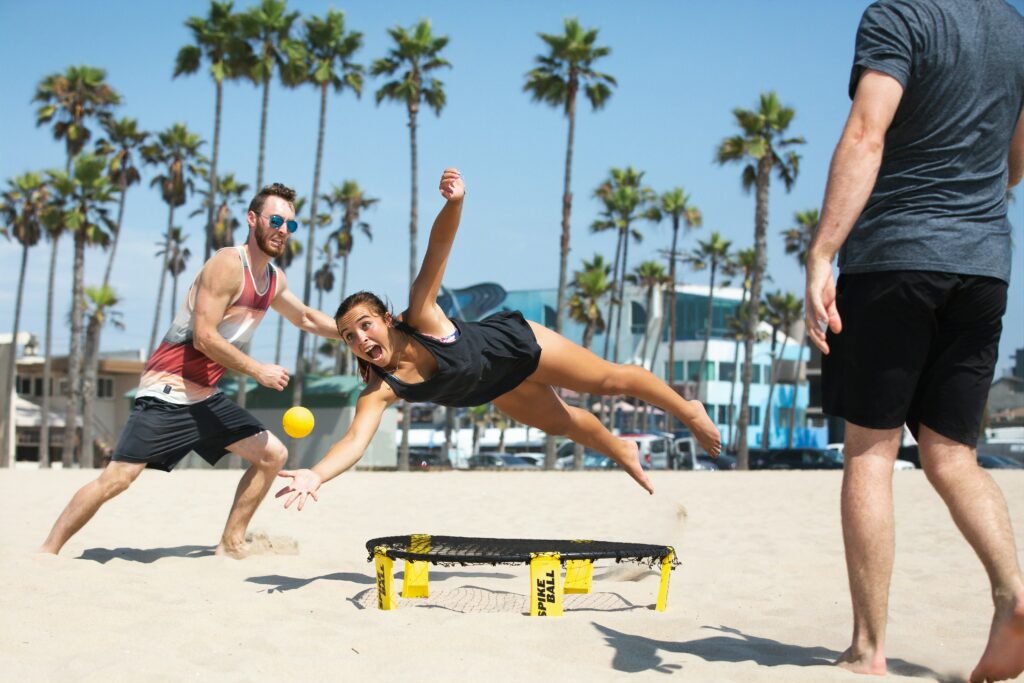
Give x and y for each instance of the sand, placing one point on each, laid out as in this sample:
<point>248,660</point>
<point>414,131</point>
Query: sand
<point>761,593</point>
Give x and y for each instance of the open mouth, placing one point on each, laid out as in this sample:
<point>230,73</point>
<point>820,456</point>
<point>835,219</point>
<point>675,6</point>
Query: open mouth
<point>375,353</point>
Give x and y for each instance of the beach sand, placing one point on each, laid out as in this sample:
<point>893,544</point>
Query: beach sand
<point>761,594</point>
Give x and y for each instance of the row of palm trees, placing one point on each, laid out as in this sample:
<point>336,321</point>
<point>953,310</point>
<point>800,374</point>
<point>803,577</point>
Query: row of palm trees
<point>264,41</point>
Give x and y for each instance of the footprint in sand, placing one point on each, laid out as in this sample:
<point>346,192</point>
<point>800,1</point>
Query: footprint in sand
<point>260,543</point>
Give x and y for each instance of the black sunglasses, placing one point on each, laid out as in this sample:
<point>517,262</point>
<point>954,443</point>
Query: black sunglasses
<point>276,222</point>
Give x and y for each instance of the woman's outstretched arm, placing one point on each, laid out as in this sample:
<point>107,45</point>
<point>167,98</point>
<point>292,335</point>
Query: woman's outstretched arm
<point>343,454</point>
<point>423,313</point>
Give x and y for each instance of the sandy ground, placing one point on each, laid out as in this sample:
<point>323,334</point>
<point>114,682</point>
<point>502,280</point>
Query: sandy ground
<point>761,594</point>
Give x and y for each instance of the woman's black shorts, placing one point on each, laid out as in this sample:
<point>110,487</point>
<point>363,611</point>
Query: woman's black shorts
<point>160,434</point>
<point>916,347</point>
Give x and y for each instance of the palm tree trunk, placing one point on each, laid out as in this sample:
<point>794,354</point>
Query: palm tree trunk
<point>796,387</point>
<point>74,353</point>
<point>563,250</point>
<point>213,172</point>
<point>280,333</point>
<point>117,234</point>
<point>310,242</point>
<point>8,457</point>
<point>92,338</point>
<point>263,133</point>
<point>611,296</point>
<point>577,451</point>
<point>160,288</point>
<point>765,433</point>
<point>174,299</point>
<point>44,427</point>
<point>623,267</point>
<point>403,451</point>
<point>672,303</point>
<point>707,327</point>
<point>735,374</point>
<point>764,167</point>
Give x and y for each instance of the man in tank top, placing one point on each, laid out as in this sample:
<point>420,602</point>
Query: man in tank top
<point>178,407</point>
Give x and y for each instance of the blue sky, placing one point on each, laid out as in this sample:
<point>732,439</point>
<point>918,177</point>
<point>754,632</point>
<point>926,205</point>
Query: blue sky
<point>681,68</point>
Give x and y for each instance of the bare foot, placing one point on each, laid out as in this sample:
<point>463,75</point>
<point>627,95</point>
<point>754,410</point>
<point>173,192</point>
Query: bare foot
<point>868,663</point>
<point>1004,655</point>
<point>236,551</point>
<point>629,460</point>
<point>705,431</point>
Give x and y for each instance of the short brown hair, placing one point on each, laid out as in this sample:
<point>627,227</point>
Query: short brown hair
<point>273,190</point>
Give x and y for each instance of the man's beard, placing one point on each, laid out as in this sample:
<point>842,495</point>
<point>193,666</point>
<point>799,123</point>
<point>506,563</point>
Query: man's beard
<point>263,241</point>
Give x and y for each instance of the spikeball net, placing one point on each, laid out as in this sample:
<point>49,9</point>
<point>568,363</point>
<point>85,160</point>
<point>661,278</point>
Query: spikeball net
<point>545,557</point>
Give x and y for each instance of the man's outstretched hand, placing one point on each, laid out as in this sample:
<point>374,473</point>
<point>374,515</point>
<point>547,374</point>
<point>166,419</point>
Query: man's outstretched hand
<point>304,483</point>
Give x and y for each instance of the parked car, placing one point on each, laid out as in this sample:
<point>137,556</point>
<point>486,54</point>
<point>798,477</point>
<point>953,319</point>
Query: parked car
<point>898,465</point>
<point>655,449</point>
<point>795,459</point>
<point>704,462</point>
<point>996,462</point>
<point>536,458</point>
<point>724,461</point>
<point>424,459</point>
<point>503,461</point>
<point>592,460</point>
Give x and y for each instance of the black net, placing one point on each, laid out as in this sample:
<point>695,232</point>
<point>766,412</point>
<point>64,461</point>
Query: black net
<point>458,550</point>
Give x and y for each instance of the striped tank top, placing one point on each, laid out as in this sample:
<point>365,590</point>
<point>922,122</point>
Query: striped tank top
<point>177,372</point>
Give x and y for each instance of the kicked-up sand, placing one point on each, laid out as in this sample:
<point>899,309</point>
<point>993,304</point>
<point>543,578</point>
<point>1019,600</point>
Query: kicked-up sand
<point>761,594</point>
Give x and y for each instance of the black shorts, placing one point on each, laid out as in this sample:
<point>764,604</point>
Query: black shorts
<point>918,348</point>
<point>160,434</point>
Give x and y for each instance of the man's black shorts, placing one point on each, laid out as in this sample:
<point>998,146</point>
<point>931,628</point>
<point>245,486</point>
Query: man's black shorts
<point>916,347</point>
<point>160,434</point>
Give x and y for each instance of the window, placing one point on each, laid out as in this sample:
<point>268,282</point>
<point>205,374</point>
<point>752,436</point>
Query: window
<point>726,371</point>
<point>679,374</point>
<point>638,318</point>
<point>105,387</point>
<point>755,415</point>
<point>692,369</point>
<point>37,389</point>
<point>63,387</point>
<point>723,414</point>
<point>24,385</point>
<point>766,373</point>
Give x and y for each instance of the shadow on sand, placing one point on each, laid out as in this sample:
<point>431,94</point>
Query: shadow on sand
<point>280,584</point>
<point>636,653</point>
<point>145,555</point>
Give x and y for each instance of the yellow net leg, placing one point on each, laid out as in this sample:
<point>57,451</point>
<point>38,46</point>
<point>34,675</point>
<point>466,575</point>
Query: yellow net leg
<point>415,583</point>
<point>545,585</point>
<point>666,572</point>
<point>578,574</point>
<point>385,588</point>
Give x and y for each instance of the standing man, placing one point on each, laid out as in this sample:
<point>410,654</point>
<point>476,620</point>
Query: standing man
<point>916,208</point>
<point>178,407</point>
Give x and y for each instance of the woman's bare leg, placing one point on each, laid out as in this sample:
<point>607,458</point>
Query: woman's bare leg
<point>539,406</point>
<point>569,365</point>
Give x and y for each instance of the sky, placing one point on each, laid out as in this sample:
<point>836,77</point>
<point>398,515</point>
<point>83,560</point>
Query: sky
<point>681,68</point>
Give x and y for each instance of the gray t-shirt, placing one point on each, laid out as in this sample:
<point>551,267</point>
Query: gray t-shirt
<point>939,203</point>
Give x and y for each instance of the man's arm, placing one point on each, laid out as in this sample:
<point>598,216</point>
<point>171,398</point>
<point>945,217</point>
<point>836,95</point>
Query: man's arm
<point>851,178</point>
<point>220,280</point>
<point>299,314</point>
<point>1017,153</point>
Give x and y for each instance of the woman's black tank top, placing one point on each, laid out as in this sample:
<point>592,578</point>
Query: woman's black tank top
<point>489,358</point>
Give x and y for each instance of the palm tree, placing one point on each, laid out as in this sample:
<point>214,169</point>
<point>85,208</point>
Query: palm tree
<point>219,40</point>
<point>176,152</point>
<point>556,81</point>
<point>232,196</point>
<point>22,206</point>
<point>329,49</point>
<point>417,52</point>
<point>83,197</point>
<point>759,148</point>
<point>268,27</point>
<point>783,310</point>
<point>676,204</point>
<point>122,143</point>
<point>351,200</point>
<point>589,285</point>
<point>743,266</point>
<point>100,302</point>
<point>798,241</point>
<point>625,201</point>
<point>650,275</point>
<point>175,255</point>
<point>711,255</point>
<point>70,100</point>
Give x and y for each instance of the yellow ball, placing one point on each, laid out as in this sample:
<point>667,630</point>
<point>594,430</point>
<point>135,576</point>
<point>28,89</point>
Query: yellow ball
<point>297,422</point>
